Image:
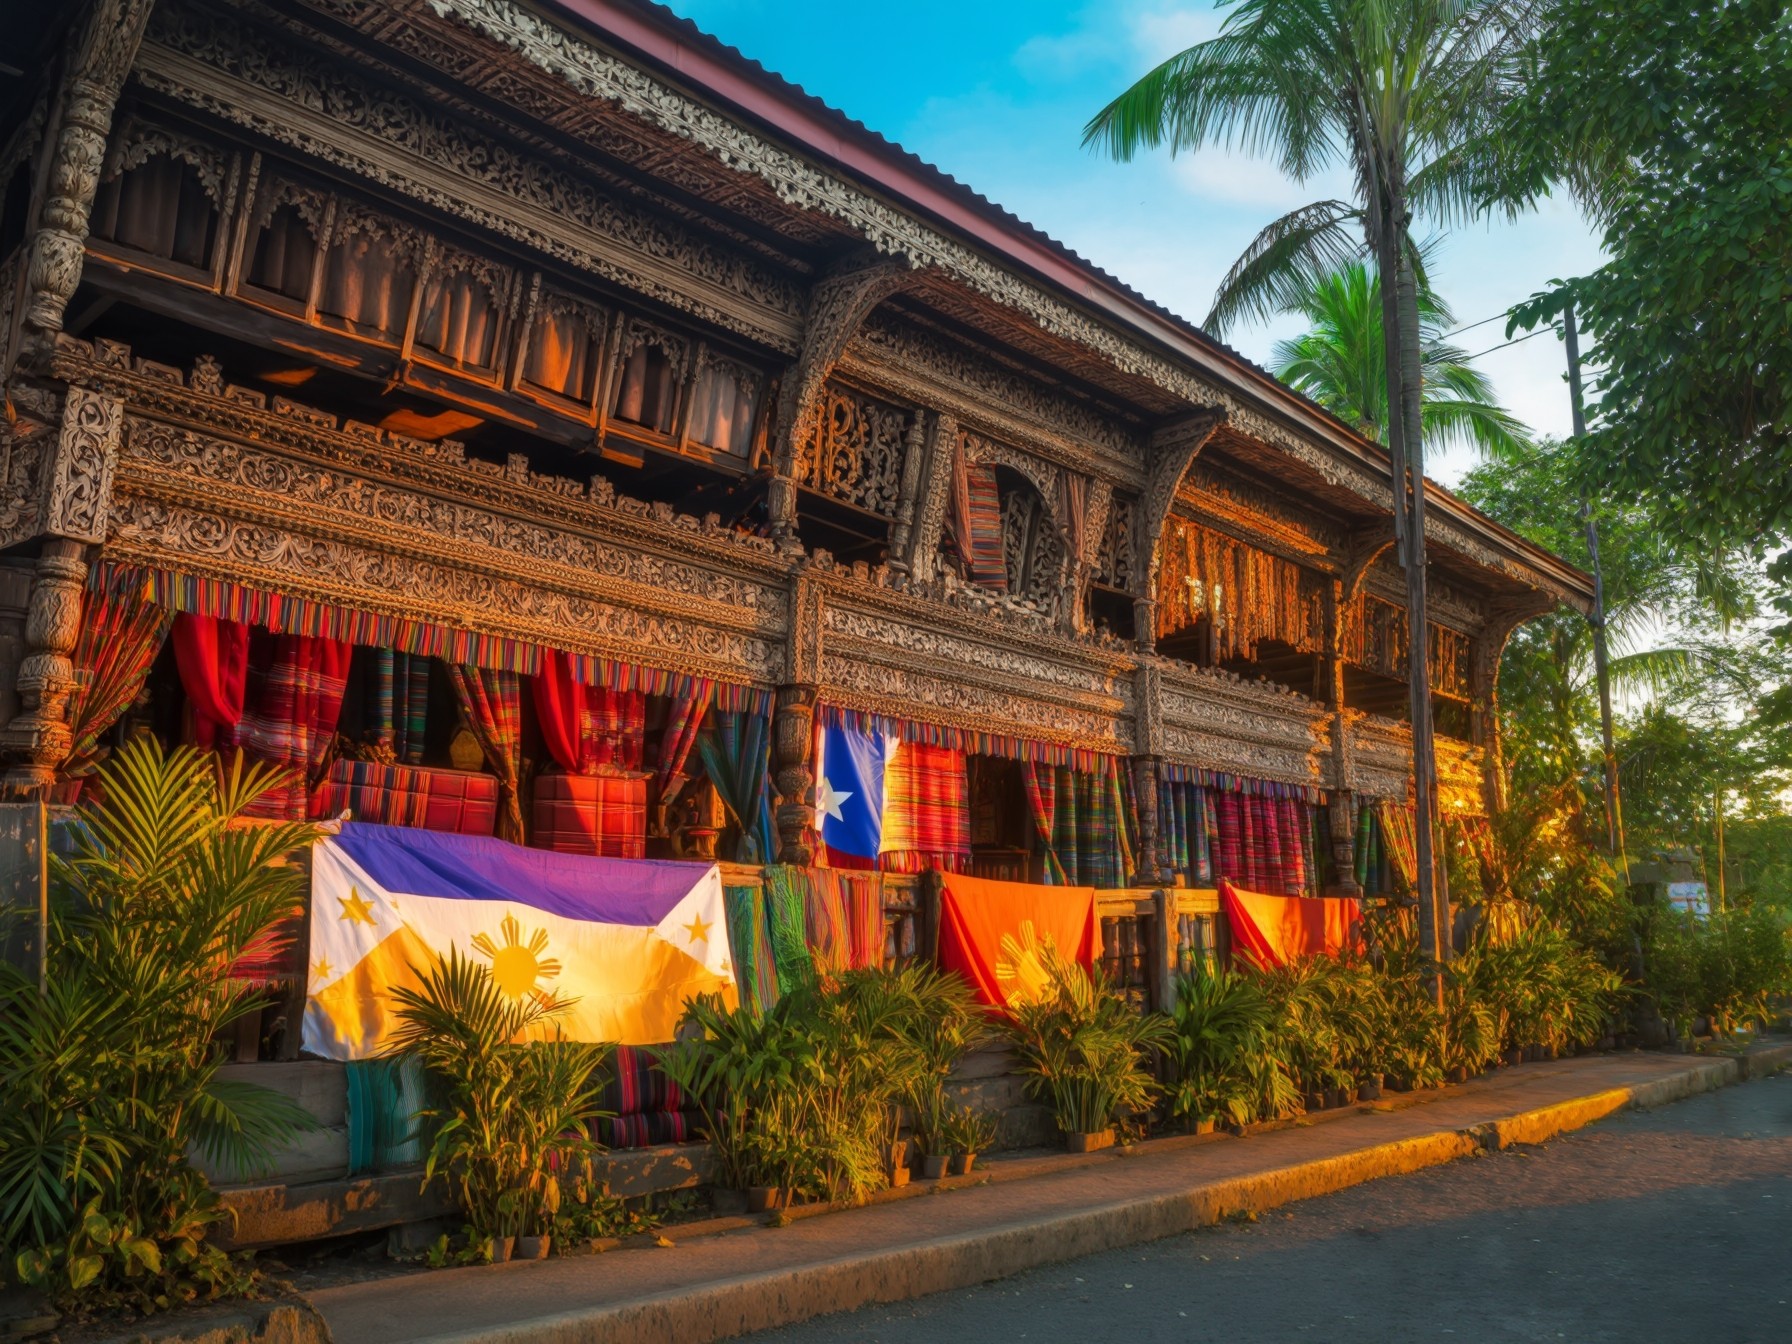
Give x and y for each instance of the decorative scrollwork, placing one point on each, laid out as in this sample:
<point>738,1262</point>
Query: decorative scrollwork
<point>856,452</point>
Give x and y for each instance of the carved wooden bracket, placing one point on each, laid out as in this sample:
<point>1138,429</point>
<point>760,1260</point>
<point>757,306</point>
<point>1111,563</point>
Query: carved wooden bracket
<point>1361,548</point>
<point>935,491</point>
<point>841,302</point>
<point>1173,447</point>
<point>98,64</point>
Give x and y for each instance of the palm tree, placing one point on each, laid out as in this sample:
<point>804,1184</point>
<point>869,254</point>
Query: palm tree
<point>1395,91</point>
<point>1341,363</point>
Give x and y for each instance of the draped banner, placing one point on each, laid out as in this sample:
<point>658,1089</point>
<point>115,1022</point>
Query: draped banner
<point>630,940</point>
<point>1274,930</point>
<point>850,767</point>
<point>992,933</point>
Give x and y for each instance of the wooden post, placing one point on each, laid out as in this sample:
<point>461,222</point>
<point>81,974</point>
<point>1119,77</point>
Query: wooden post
<point>927,909</point>
<point>793,759</point>
<point>1163,980</point>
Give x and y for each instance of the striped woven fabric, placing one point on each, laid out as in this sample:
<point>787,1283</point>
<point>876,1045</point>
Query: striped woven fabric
<point>293,704</point>
<point>787,918</point>
<point>755,973</point>
<point>1229,832</point>
<point>926,811</point>
<point>1274,864</point>
<point>615,727</point>
<point>1042,801</point>
<point>407,633</point>
<point>645,1106</point>
<point>683,720</point>
<point>983,549</point>
<point>971,743</point>
<point>826,925</point>
<point>1400,837</point>
<point>1183,824</point>
<point>491,702</point>
<point>397,703</point>
<point>1220,782</point>
<point>461,801</point>
<point>1100,832</point>
<point>119,639</point>
<point>863,896</point>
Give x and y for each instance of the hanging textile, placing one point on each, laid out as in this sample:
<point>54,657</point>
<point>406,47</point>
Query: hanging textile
<point>616,727</point>
<point>397,705</point>
<point>927,821</point>
<point>787,892</point>
<point>290,721</point>
<point>826,925</point>
<point>683,721</point>
<point>981,540</point>
<point>1270,931</point>
<point>736,756</point>
<point>640,1106</point>
<point>119,639</point>
<point>491,703</point>
<point>754,969</point>
<point>992,934</point>
<point>212,656</point>
<point>1297,841</point>
<point>863,896</point>
<point>560,710</point>
<point>1401,840</point>
<point>1229,852</point>
<point>383,1099</point>
<point>1100,834</point>
<point>1269,831</point>
<point>1065,827</point>
<point>1246,594</point>
<point>1184,828</point>
<point>1042,801</point>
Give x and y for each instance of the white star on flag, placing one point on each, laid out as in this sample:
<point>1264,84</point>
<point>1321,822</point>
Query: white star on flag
<point>827,801</point>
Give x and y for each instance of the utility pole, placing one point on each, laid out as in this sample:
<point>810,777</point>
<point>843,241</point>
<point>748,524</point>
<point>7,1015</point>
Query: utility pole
<point>1614,815</point>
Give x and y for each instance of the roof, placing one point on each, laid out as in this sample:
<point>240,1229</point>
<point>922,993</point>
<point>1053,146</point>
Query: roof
<point>727,76</point>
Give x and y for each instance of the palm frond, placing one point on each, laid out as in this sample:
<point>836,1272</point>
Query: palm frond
<point>1285,261</point>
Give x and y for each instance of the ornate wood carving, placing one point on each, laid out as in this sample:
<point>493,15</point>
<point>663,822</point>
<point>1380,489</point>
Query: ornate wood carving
<point>78,485</point>
<point>936,491</point>
<point>803,661</point>
<point>1219,721</point>
<point>914,454</point>
<point>1172,448</point>
<point>39,737</point>
<point>793,753</point>
<point>1486,651</point>
<point>1149,870</point>
<point>840,303</point>
<point>856,451</point>
<point>98,63</point>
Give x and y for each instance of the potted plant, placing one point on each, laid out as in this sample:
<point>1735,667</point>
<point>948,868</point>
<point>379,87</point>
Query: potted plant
<point>969,1131</point>
<point>1223,1062</point>
<point>1083,1050</point>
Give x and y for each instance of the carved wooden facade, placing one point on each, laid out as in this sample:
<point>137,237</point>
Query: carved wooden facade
<point>479,215</point>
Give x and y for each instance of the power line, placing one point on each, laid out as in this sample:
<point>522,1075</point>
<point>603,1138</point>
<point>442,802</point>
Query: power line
<point>1472,325</point>
<point>1520,340</point>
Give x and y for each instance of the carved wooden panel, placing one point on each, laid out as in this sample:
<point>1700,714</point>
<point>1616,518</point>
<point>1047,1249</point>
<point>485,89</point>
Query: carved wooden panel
<point>856,452</point>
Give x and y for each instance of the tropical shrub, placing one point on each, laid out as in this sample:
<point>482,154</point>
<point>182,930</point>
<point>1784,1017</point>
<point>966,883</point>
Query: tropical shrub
<point>110,1075</point>
<point>517,1100</point>
<point>1730,967</point>
<point>1083,1049</point>
<point>1224,1060</point>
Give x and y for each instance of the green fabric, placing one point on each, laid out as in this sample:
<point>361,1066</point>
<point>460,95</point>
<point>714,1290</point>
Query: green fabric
<point>755,972</point>
<point>786,903</point>
<point>736,756</point>
<point>384,1097</point>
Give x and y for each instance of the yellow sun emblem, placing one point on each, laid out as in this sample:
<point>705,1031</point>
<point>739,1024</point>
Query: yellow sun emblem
<point>516,966</point>
<point>1022,969</point>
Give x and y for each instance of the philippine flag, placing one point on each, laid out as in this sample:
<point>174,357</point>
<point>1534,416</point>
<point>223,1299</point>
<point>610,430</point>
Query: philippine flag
<point>849,794</point>
<point>632,941</point>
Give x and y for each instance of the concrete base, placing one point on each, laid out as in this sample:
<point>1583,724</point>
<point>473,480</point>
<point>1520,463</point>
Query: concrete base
<point>715,1287</point>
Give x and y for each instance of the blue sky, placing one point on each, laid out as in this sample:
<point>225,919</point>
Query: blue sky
<point>996,94</point>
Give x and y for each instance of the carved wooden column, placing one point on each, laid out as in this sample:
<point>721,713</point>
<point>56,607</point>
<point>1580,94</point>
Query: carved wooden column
<point>1074,619</point>
<point>97,68</point>
<point>914,453</point>
<point>1147,775</point>
<point>1343,810</point>
<point>793,765</point>
<point>39,737</point>
<point>1173,448</point>
<point>841,302</point>
<point>922,557</point>
<point>73,511</point>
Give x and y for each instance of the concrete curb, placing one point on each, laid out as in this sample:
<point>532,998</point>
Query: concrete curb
<point>749,1302</point>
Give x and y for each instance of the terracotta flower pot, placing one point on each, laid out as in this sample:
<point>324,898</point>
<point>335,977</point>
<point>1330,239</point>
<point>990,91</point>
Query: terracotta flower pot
<point>1370,1088</point>
<point>962,1163</point>
<point>1089,1143</point>
<point>1314,1101</point>
<point>1205,1126</point>
<point>898,1177</point>
<point>531,1248</point>
<point>497,1249</point>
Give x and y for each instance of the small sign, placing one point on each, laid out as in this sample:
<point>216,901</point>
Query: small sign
<point>1690,897</point>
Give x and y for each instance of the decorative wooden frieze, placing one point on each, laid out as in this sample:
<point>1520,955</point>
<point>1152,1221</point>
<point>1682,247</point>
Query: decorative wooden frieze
<point>855,450</point>
<point>1218,721</point>
<point>78,483</point>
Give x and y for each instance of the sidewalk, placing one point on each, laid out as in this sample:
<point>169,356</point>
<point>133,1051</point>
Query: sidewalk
<point>753,1278</point>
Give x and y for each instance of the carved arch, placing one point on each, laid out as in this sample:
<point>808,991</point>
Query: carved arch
<point>1503,620</point>
<point>1172,448</point>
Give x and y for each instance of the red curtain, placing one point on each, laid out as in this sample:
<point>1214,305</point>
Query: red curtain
<point>213,657</point>
<point>560,708</point>
<point>292,716</point>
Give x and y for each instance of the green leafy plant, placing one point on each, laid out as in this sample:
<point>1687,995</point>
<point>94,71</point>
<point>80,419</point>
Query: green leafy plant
<point>1083,1049</point>
<point>1224,1063</point>
<point>518,1100</point>
<point>1730,967</point>
<point>969,1129</point>
<point>110,1076</point>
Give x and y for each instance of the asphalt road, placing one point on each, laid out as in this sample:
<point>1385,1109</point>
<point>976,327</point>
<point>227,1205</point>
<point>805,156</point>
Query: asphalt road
<point>1661,1226</point>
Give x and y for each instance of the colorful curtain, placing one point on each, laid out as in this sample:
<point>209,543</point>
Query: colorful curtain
<point>682,724</point>
<point>397,705</point>
<point>212,656</point>
<point>1042,801</point>
<point>1185,832</point>
<point>120,637</point>
<point>560,710</point>
<point>862,894</point>
<point>1400,837</point>
<point>927,815</point>
<point>290,722</point>
<point>491,702</point>
<point>615,727</point>
<point>755,971</point>
<point>992,933</point>
<point>736,756</point>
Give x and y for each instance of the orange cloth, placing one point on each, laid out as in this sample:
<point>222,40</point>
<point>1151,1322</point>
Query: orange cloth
<point>1274,930</point>
<point>991,933</point>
